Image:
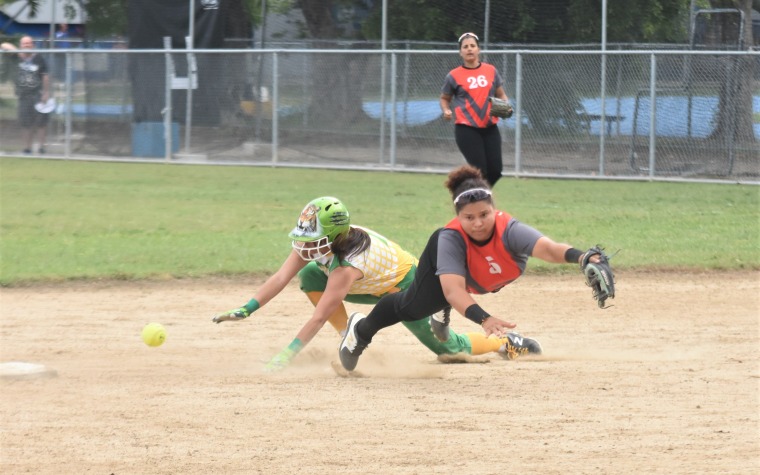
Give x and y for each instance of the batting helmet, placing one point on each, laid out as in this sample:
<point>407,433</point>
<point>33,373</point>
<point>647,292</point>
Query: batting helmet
<point>320,223</point>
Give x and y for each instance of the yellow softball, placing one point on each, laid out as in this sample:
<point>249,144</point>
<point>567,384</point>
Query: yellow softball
<point>154,334</point>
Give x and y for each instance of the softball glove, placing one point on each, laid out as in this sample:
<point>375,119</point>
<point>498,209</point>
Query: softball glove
<point>500,108</point>
<point>598,275</point>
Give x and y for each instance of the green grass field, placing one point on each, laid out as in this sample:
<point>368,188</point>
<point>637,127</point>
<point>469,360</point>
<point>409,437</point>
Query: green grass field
<point>62,220</point>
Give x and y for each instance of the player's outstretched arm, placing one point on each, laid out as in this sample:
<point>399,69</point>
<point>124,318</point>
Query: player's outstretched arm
<point>594,265</point>
<point>455,291</point>
<point>267,291</point>
<point>338,285</point>
<point>548,250</point>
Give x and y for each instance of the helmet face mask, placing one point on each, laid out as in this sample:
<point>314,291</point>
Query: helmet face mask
<point>320,223</point>
<point>313,250</point>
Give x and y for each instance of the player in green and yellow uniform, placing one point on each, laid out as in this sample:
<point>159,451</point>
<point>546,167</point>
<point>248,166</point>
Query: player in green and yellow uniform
<point>337,262</point>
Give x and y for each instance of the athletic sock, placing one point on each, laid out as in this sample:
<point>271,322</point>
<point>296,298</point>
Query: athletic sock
<point>338,319</point>
<point>482,344</point>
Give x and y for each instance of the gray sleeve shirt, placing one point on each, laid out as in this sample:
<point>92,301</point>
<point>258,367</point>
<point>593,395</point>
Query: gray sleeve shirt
<point>519,240</point>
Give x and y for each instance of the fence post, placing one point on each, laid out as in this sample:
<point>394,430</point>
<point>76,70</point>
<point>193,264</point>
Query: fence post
<point>191,83</point>
<point>307,63</point>
<point>652,113</point>
<point>603,114</point>
<point>618,79</point>
<point>67,107</point>
<point>275,105</point>
<point>518,112</point>
<point>382,107</point>
<point>168,98</point>
<point>405,85</point>
<point>394,61</point>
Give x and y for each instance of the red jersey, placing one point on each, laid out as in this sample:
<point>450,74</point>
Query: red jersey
<point>470,90</point>
<point>491,266</point>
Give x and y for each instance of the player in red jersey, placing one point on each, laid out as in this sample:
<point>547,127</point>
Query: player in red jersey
<point>481,250</point>
<point>464,97</point>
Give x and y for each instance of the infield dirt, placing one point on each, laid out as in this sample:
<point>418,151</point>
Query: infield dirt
<point>666,381</point>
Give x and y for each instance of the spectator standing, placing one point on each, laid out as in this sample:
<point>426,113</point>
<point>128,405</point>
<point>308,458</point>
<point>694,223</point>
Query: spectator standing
<point>62,36</point>
<point>32,87</point>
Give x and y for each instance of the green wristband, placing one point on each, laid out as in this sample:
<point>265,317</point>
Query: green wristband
<point>295,346</point>
<point>252,306</point>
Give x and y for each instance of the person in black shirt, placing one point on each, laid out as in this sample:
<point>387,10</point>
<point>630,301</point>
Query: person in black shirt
<point>32,87</point>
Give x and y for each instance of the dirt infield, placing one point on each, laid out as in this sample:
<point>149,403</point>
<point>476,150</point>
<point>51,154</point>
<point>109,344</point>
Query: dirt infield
<point>666,381</point>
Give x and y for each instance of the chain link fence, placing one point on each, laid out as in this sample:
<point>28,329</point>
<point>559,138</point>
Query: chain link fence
<point>625,114</point>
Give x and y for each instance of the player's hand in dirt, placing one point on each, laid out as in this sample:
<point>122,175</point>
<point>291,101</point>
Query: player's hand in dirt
<point>496,326</point>
<point>233,315</point>
<point>280,361</point>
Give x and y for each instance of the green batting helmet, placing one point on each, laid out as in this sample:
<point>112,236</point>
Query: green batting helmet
<point>322,220</point>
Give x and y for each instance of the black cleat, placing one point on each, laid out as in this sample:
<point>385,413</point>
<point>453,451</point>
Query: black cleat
<point>439,323</point>
<point>517,345</point>
<point>351,347</point>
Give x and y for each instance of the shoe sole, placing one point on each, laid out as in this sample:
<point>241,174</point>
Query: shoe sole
<point>350,333</point>
<point>343,372</point>
<point>440,330</point>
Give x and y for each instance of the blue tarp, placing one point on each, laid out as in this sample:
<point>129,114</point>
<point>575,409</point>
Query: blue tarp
<point>96,110</point>
<point>670,120</point>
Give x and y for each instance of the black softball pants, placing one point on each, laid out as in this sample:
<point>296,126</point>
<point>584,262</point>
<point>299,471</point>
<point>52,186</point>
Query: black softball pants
<point>423,298</point>
<point>482,149</point>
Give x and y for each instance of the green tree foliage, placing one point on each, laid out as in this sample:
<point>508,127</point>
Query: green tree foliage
<point>106,18</point>
<point>33,5</point>
<point>534,21</point>
<point>734,120</point>
<point>424,20</point>
<point>633,21</point>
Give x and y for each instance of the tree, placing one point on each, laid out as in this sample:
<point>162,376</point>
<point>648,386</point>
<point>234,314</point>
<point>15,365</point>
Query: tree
<point>33,5</point>
<point>109,17</point>
<point>106,18</point>
<point>337,79</point>
<point>534,21</point>
<point>69,7</point>
<point>734,117</point>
